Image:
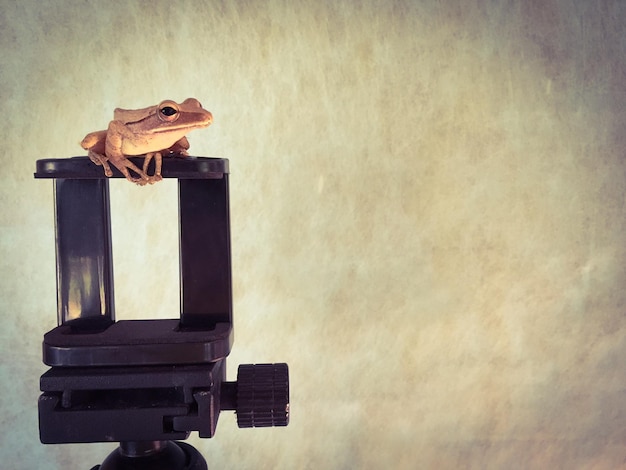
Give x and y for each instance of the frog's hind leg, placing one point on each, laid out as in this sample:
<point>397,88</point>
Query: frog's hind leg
<point>158,162</point>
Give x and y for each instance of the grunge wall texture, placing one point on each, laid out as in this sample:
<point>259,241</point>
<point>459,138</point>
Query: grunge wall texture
<point>428,218</point>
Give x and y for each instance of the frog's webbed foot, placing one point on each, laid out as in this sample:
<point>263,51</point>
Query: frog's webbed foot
<point>100,159</point>
<point>126,166</point>
<point>158,162</point>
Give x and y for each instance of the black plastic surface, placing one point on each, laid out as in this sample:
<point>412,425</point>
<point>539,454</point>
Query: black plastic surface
<point>173,167</point>
<point>83,252</point>
<point>129,403</point>
<point>136,342</point>
<point>205,263</point>
<point>137,381</point>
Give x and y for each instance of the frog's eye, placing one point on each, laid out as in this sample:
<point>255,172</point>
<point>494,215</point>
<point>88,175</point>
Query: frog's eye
<point>168,111</point>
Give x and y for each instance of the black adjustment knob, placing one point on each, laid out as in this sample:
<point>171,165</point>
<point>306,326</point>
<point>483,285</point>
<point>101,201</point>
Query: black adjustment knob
<point>262,395</point>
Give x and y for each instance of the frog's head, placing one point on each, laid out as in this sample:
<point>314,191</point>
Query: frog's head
<point>187,115</point>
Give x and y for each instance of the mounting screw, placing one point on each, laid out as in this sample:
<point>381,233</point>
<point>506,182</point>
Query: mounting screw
<point>262,395</point>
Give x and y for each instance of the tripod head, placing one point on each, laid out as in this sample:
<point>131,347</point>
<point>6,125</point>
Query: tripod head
<point>146,383</point>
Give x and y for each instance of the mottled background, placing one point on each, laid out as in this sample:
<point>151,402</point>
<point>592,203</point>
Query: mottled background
<point>428,218</point>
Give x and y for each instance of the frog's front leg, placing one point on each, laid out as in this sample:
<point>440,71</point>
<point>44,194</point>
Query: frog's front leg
<point>113,150</point>
<point>180,148</point>
<point>124,165</point>
<point>158,162</point>
<point>94,143</point>
<point>100,159</point>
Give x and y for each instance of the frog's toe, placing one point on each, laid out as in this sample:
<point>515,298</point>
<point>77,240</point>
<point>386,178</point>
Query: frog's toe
<point>140,181</point>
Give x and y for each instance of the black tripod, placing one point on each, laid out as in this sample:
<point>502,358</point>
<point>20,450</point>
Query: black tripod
<point>147,383</point>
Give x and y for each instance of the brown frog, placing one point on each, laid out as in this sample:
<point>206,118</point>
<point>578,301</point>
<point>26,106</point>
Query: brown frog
<point>154,131</point>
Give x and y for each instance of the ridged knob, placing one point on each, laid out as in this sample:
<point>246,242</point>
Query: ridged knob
<point>262,395</point>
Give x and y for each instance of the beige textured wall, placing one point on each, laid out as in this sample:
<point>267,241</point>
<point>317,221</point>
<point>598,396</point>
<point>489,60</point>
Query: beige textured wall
<point>428,218</point>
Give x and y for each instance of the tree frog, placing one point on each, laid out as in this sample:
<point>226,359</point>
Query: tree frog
<point>153,131</point>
